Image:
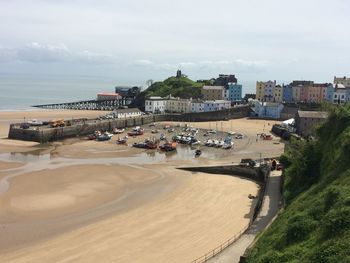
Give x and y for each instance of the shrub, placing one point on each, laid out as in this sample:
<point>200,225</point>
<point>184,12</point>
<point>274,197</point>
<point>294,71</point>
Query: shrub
<point>336,221</point>
<point>331,197</point>
<point>299,227</point>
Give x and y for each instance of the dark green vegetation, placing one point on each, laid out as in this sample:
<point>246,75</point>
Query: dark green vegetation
<point>181,87</point>
<point>315,225</point>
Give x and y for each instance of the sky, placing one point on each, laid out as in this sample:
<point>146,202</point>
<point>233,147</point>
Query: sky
<point>129,42</point>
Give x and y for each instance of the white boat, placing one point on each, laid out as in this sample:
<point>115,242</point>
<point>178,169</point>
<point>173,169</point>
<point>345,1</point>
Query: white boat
<point>215,143</point>
<point>118,131</point>
<point>231,133</point>
<point>220,144</point>
<point>227,145</point>
<point>35,122</point>
<point>208,143</point>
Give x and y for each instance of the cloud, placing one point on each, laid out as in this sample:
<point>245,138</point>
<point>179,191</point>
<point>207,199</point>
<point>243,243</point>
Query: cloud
<point>142,62</point>
<point>60,53</point>
<point>236,65</point>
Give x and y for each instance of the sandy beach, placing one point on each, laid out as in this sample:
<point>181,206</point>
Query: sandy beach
<point>88,201</point>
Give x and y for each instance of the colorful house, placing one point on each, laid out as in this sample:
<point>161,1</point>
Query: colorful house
<point>287,93</point>
<point>234,92</point>
<point>278,93</point>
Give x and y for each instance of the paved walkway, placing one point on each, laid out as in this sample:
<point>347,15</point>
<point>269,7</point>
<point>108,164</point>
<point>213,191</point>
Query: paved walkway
<point>268,211</point>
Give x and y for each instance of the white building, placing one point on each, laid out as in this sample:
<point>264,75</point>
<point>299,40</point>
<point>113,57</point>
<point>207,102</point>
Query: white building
<point>197,106</point>
<point>127,113</point>
<point>340,94</point>
<point>215,105</point>
<point>156,104</point>
<point>268,109</point>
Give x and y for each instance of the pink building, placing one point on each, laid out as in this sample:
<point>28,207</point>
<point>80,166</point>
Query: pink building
<point>304,93</point>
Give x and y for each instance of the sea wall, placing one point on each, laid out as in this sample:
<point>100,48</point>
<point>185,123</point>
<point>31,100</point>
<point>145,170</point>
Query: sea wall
<point>44,134</point>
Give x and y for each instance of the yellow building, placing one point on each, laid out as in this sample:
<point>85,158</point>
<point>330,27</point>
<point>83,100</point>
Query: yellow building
<point>213,92</point>
<point>278,93</point>
<point>260,90</point>
<point>315,93</point>
<point>179,105</point>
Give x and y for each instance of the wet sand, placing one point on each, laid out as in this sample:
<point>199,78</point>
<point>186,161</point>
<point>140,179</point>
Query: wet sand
<point>88,201</point>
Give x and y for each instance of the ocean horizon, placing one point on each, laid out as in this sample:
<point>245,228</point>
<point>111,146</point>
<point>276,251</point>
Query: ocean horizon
<point>20,93</point>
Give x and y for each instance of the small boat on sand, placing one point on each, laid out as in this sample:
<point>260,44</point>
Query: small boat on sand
<point>136,131</point>
<point>197,153</point>
<point>106,136</point>
<point>118,131</point>
<point>168,146</point>
<point>122,140</point>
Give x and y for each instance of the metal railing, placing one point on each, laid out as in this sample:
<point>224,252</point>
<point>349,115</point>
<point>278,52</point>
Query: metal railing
<point>221,247</point>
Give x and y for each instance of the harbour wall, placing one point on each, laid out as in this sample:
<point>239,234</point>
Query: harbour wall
<point>45,134</point>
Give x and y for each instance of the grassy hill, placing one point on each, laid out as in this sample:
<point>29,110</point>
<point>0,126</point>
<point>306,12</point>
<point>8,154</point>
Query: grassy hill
<point>177,87</point>
<point>315,225</point>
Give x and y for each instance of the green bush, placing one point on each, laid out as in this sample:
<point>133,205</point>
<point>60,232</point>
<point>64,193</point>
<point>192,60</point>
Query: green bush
<point>336,221</point>
<point>298,228</point>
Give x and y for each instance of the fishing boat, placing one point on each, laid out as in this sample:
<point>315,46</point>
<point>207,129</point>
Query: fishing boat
<point>154,131</point>
<point>94,135</point>
<point>215,143</point>
<point>162,137</point>
<point>151,145</point>
<point>168,146</point>
<point>118,131</point>
<point>122,140</point>
<point>227,145</point>
<point>220,144</point>
<point>106,136</point>
<point>139,145</point>
<point>208,143</point>
<point>171,130</point>
<point>194,141</point>
<point>136,131</point>
<point>198,153</point>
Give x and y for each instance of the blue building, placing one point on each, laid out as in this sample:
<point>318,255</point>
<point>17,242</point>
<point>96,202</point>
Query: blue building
<point>329,93</point>
<point>234,92</point>
<point>287,93</point>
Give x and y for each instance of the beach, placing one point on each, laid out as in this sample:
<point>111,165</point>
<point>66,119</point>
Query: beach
<point>86,201</point>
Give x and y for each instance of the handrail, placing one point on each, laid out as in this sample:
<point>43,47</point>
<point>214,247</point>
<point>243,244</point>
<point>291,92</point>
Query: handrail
<point>221,247</point>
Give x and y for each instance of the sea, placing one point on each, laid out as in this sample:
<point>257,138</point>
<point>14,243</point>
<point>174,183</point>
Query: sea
<point>19,93</point>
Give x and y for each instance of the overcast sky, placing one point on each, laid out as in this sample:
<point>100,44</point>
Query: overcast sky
<point>131,41</point>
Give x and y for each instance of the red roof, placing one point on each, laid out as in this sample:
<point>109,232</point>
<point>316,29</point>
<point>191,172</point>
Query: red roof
<point>108,94</point>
